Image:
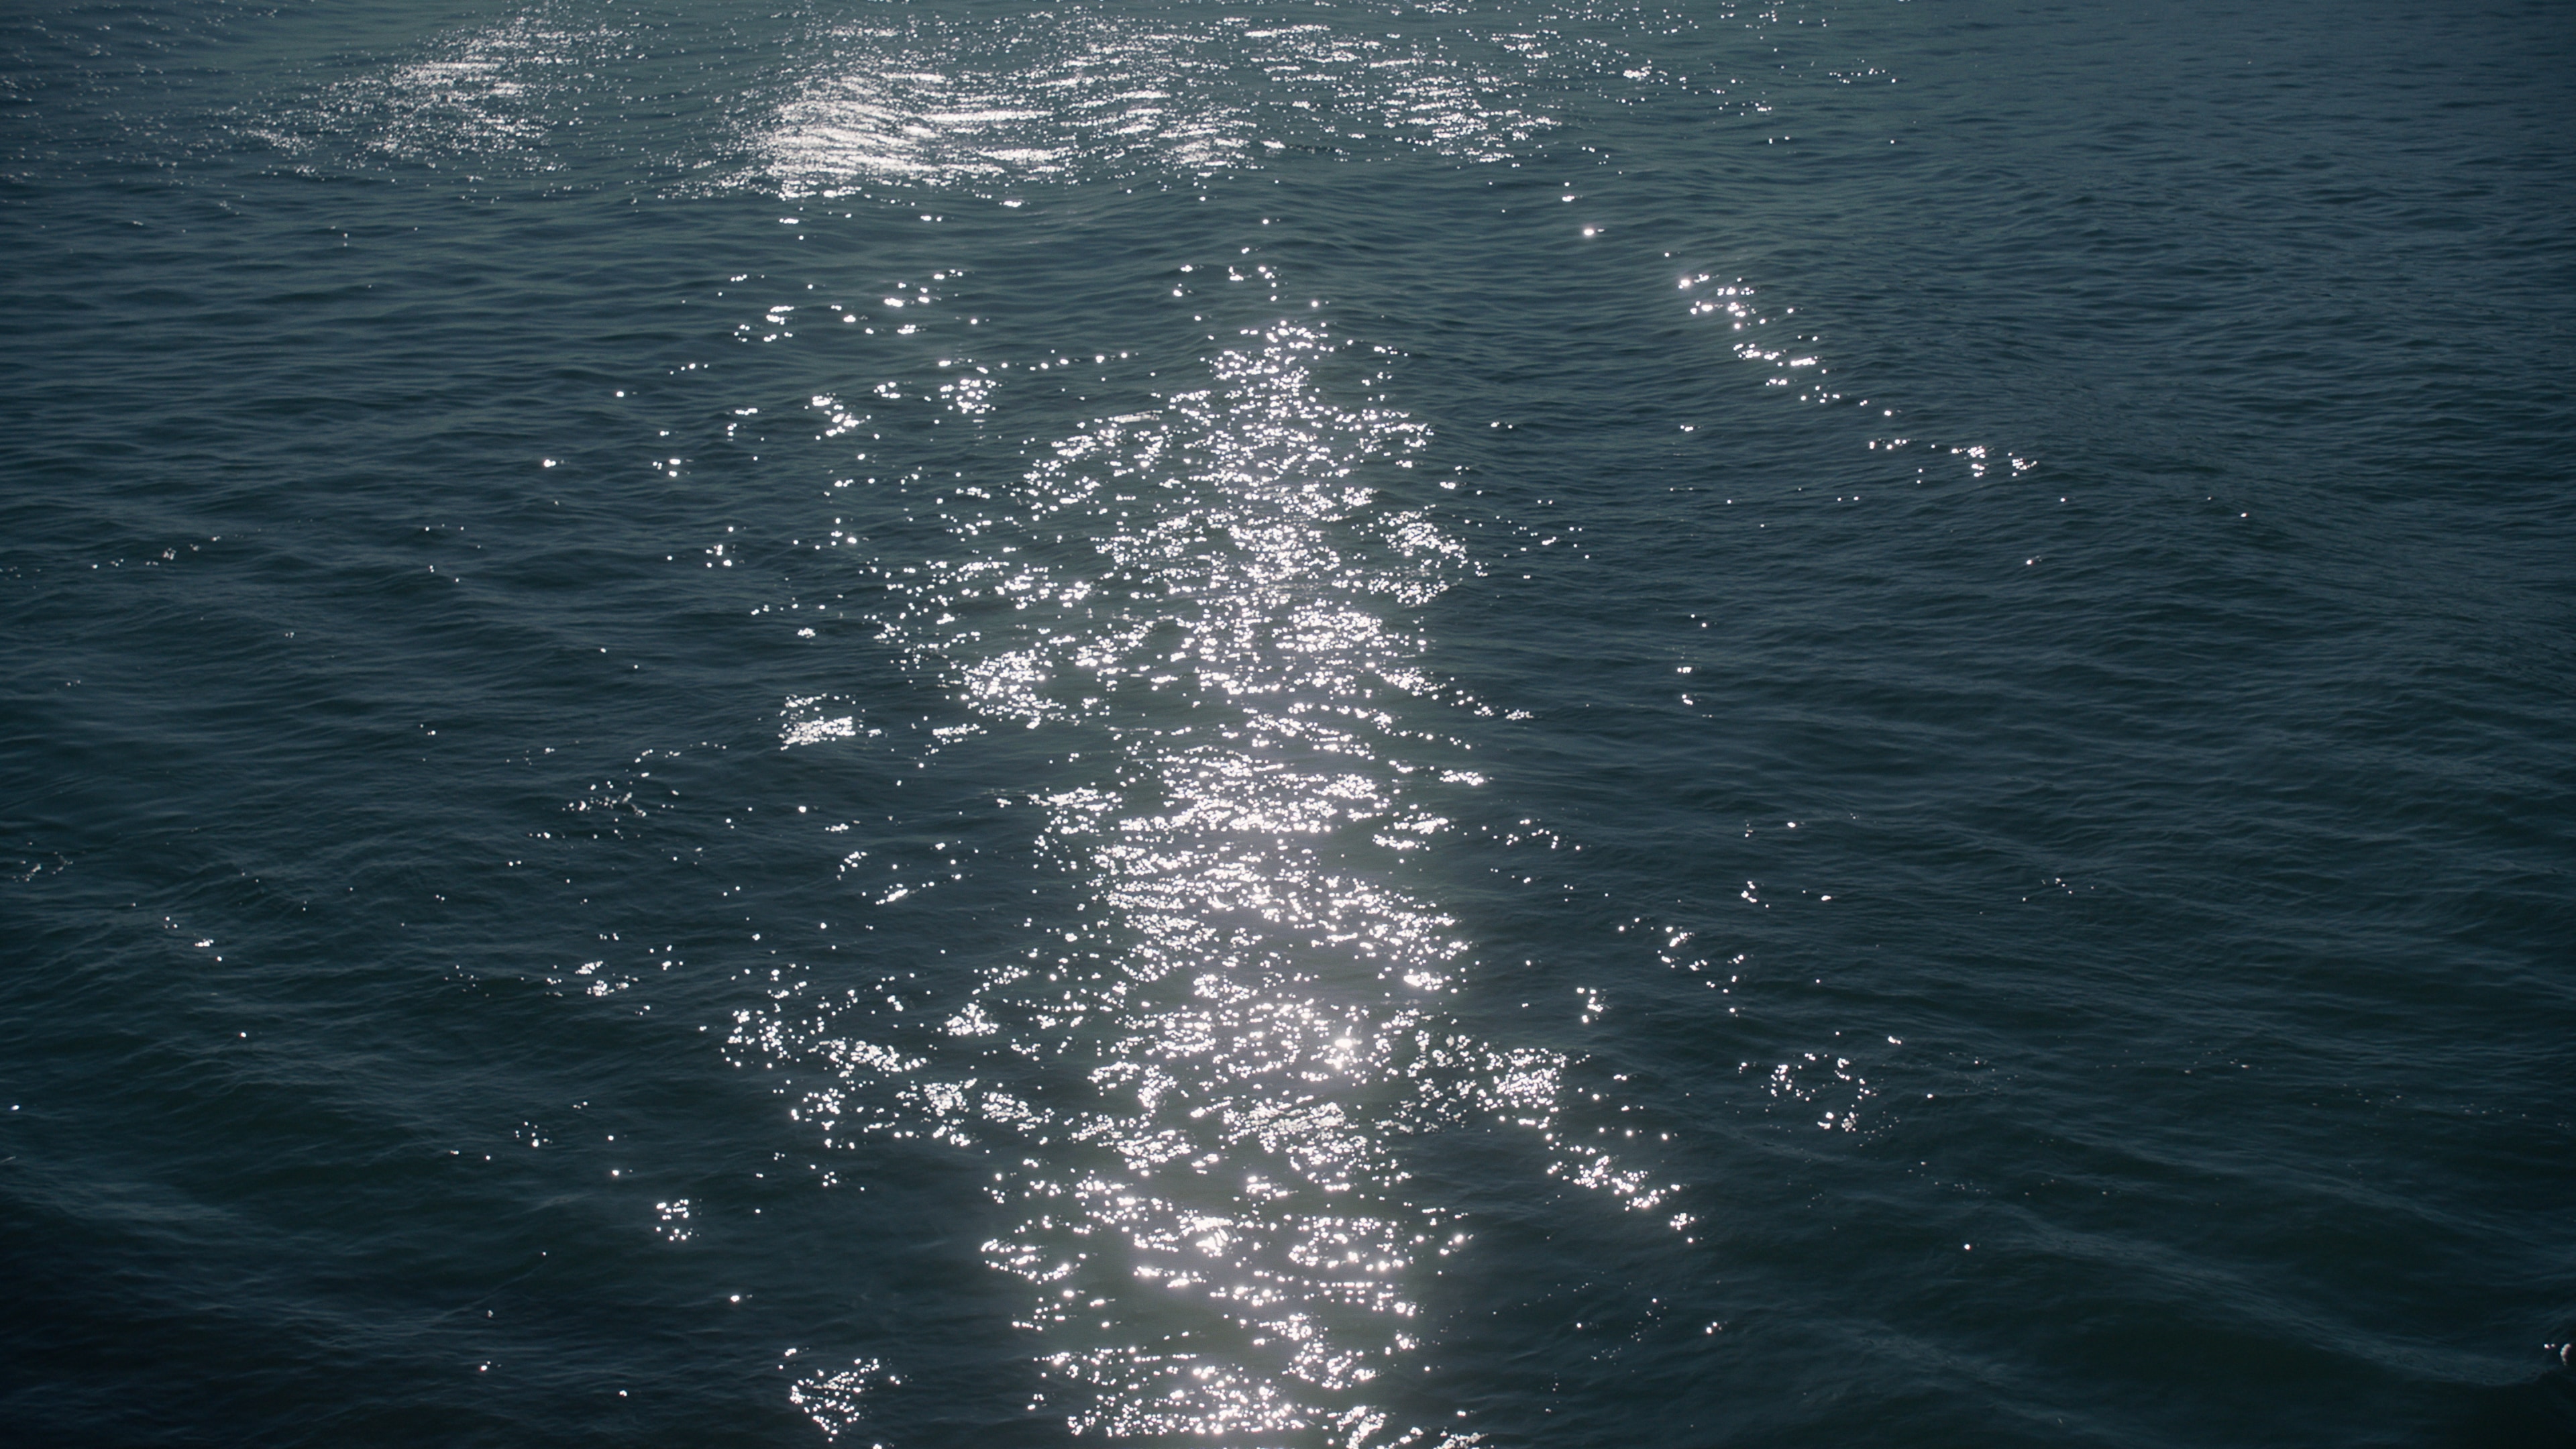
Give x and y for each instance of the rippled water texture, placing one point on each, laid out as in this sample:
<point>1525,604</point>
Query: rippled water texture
<point>1287,727</point>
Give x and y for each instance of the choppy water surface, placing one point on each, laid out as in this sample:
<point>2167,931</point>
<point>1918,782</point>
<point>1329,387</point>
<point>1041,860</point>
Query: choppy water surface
<point>1317,725</point>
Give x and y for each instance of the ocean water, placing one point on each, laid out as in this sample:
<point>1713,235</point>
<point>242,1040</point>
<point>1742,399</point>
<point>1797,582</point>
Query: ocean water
<point>1554,723</point>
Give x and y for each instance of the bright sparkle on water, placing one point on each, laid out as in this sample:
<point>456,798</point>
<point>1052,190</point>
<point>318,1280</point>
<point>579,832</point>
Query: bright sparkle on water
<point>1198,1089</point>
<point>1074,92</point>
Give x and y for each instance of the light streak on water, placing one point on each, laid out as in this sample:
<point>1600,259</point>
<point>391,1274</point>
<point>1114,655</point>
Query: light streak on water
<point>1195,1093</point>
<point>1077,92</point>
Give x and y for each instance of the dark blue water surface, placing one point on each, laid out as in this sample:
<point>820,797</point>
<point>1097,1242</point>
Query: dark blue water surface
<point>1558,723</point>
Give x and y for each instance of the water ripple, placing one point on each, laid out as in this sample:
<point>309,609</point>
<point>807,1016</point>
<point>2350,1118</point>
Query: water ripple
<point>1196,1090</point>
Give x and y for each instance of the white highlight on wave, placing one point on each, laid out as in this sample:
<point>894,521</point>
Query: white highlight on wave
<point>1197,1090</point>
<point>1794,360</point>
<point>1072,92</point>
<point>493,95</point>
<point>1080,93</point>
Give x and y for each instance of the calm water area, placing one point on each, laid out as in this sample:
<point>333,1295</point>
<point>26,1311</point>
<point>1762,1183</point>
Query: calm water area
<point>1549,724</point>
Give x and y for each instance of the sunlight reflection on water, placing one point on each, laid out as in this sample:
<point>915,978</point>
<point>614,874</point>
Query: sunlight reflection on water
<point>1080,92</point>
<point>1199,1088</point>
